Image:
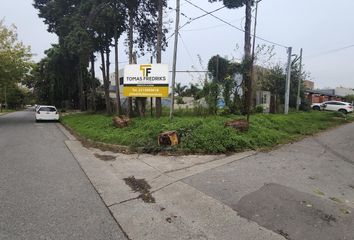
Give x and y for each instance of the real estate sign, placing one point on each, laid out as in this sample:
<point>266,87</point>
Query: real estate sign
<point>146,80</point>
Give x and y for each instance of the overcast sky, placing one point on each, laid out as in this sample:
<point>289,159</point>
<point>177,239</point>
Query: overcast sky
<point>317,26</point>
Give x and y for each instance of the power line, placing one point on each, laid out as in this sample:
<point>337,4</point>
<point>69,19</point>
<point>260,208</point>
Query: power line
<point>196,18</point>
<point>186,48</point>
<point>211,27</point>
<point>330,51</point>
<point>231,25</point>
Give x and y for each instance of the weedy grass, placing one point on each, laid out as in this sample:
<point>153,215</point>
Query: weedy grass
<point>205,134</point>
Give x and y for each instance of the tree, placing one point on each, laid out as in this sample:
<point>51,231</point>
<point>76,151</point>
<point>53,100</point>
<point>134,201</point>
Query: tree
<point>65,19</point>
<point>15,59</point>
<point>87,27</point>
<point>273,80</point>
<point>180,90</point>
<point>222,72</point>
<point>54,78</point>
<point>248,62</point>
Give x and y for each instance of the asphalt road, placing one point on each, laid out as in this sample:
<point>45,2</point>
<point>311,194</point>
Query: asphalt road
<point>44,194</point>
<point>303,191</point>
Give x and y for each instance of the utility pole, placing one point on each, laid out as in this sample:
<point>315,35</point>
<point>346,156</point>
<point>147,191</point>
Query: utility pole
<point>178,10</point>
<point>298,99</point>
<point>287,85</point>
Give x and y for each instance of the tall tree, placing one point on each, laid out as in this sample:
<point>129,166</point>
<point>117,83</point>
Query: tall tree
<point>247,78</point>
<point>15,59</point>
<point>65,19</point>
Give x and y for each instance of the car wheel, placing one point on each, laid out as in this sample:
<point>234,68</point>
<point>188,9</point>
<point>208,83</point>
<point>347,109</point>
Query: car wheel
<point>316,108</point>
<point>343,111</point>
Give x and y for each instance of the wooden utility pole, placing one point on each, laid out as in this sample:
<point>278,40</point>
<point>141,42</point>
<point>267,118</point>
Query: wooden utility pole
<point>178,9</point>
<point>159,51</point>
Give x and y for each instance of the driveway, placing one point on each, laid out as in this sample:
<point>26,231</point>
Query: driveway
<point>44,194</point>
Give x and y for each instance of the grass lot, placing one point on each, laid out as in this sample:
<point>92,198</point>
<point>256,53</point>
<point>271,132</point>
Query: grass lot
<point>4,111</point>
<point>204,134</point>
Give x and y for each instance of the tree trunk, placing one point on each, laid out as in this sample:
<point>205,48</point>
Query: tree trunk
<point>118,105</point>
<point>105,83</point>
<point>81,88</point>
<point>93,86</point>
<point>248,61</point>
<point>130,38</point>
<point>159,51</point>
<point>108,75</point>
<point>5,96</point>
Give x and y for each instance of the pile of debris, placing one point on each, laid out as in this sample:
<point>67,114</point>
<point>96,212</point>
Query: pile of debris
<point>122,121</point>
<point>238,124</point>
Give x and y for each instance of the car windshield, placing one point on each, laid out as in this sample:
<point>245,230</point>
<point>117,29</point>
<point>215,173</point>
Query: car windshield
<point>47,109</point>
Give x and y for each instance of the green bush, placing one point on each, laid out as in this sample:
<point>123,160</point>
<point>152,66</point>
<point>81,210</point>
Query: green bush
<point>305,105</point>
<point>259,109</point>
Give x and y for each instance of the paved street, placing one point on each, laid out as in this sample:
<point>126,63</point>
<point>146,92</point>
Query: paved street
<point>44,194</point>
<point>302,191</point>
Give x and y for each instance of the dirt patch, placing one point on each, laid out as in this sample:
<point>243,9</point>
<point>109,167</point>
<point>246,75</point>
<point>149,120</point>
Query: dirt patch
<point>141,186</point>
<point>105,157</point>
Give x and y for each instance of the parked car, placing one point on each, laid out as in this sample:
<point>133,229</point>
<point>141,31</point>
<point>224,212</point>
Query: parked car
<point>335,106</point>
<point>47,113</point>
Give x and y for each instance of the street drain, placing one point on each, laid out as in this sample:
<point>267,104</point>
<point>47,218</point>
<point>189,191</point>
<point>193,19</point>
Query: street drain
<point>141,186</point>
<point>105,157</point>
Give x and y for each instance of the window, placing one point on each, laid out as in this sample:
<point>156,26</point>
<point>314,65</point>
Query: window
<point>47,109</point>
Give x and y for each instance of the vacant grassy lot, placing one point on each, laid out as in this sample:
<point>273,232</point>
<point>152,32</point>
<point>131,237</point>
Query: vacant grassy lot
<point>204,134</point>
<point>4,111</point>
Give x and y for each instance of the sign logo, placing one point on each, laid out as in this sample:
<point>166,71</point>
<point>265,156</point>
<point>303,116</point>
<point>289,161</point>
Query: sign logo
<point>145,69</point>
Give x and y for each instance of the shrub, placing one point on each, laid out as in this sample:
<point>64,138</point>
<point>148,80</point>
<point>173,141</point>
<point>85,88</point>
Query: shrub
<point>259,109</point>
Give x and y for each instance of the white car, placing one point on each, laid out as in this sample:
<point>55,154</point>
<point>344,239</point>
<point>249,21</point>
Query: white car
<point>47,113</point>
<point>335,106</point>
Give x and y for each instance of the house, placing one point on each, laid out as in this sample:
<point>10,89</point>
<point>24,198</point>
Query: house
<point>309,85</point>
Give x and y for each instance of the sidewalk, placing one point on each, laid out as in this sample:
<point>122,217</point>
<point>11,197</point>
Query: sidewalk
<point>170,209</point>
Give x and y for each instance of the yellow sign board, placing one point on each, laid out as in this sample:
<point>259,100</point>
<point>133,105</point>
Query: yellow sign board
<point>146,80</point>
